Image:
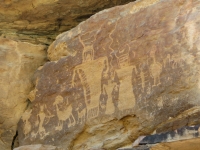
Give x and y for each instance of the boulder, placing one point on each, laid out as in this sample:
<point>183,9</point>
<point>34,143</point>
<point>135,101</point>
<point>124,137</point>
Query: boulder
<point>18,61</point>
<point>126,72</point>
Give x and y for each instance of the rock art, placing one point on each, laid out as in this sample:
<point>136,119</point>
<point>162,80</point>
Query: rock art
<point>127,71</point>
<point>18,61</point>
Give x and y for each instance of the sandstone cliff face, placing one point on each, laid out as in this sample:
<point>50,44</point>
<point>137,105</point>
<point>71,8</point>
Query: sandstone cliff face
<point>40,21</point>
<point>127,71</point>
<point>18,61</point>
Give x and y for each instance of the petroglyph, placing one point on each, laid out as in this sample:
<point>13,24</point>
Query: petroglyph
<point>133,68</point>
<point>143,76</point>
<point>64,114</point>
<point>88,51</point>
<point>81,113</point>
<point>107,87</point>
<point>155,67</point>
<point>86,72</point>
<point>41,130</point>
<point>124,73</point>
<point>27,124</point>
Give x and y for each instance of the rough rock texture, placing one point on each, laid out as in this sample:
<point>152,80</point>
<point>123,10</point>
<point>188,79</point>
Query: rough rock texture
<point>131,70</point>
<point>40,21</point>
<point>192,144</point>
<point>18,61</point>
<point>184,133</point>
<point>37,147</point>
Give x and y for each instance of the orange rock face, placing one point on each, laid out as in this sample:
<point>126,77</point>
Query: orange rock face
<point>124,72</point>
<point>18,61</point>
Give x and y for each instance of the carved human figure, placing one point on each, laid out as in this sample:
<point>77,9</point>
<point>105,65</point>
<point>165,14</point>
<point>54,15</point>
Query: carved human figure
<point>103,101</point>
<point>124,72</point>
<point>64,114</point>
<point>115,97</point>
<point>107,85</point>
<point>155,67</point>
<point>88,51</point>
<point>41,130</point>
<point>87,78</point>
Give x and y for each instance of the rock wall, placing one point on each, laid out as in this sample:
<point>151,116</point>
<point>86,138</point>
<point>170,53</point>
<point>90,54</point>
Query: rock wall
<point>18,61</point>
<point>40,21</point>
<point>127,71</point>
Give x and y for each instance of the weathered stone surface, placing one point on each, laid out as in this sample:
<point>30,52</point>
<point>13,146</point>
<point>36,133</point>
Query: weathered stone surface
<point>40,21</point>
<point>18,61</point>
<point>189,132</point>
<point>181,138</point>
<point>37,147</point>
<point>178,145</point>
<point>130,70</point>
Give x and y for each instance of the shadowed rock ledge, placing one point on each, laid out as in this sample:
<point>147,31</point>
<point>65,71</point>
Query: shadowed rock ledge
<point>40,21</point>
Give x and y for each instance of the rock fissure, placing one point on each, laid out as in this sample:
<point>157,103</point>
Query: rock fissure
<point>14,141</point>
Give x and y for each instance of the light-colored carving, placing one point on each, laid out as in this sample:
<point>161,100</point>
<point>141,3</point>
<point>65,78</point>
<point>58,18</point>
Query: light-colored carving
<point>155,68</point>
<point>107,91</point>
<point>110,46</point>
<point>167,61</point>
<point>176,60</point>
<point>81,114</point>
<point>42,119</point>
<point>89,73</point>
<point>34,134</point>
<point>110,108</point>
<point>27,124</point>
<point>142,77</point>
<point>126,101</point>
<point>160,102</point>
<point>63,115</point>
<point>41,130</point>
<point>88,49</point>
<point>149,88</point>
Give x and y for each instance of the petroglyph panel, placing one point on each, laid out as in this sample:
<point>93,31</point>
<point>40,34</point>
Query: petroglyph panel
<point>120,64</point>
<point>87,72</point>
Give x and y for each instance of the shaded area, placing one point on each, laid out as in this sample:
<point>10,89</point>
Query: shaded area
<point>41,21</point>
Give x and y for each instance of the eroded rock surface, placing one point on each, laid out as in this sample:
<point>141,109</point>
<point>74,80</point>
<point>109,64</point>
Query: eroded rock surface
<point>178,145</point>
<point>18,61</point>
<point>37,147</point>
<point>40,21</point>
<point>131,70</point>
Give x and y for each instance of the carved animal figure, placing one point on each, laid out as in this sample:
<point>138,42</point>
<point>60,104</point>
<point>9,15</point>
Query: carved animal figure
<point>63,115</point>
